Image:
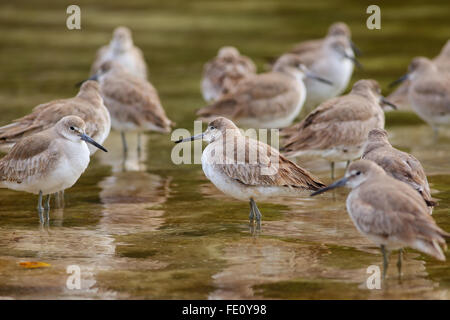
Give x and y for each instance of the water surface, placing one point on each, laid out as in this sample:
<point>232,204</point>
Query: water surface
<point>162,231</point>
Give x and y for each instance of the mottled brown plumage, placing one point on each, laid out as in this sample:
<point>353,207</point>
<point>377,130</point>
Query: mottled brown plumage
<point>87,104</point>
<point>429,92</point>
<point>337,129</point>
<point>133,102</point>
<point>398,164</point>
<point>400,95</point>
<point>222,74</point>
<point>269,100</point>
<point>248,169</point>
<point>336,29</point>
<point>33,156</point>
<point>389,212</point>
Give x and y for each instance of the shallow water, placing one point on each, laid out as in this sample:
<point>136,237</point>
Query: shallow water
<point>159,230</point>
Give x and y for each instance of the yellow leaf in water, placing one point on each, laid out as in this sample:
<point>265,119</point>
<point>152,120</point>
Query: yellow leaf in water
<point>34,264</point>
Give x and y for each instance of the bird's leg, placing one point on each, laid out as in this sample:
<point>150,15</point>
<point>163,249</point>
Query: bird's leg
<point>139,145</point>
<point>385,260</point>
<point>40,208</point>
<point>256,211</point>
<point>399,263</point>
<point>348,163</point>
<point>61,195</point>
<point>124,143</point>
<point>332,170</point>
<point>252,214</point>
<point>47,202</point>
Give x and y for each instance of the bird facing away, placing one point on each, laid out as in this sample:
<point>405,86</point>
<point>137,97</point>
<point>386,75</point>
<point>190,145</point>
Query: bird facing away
<point>337,129</point>
<point>122,50</point>
<point>268,100</point>
<point>223,73</point>
<point>247,169</point>
<point>334,62</point>
<point>398,164</point>
<point>87,104</point>
<point>337,29</point>
<point>389,212</point>
<point>428,92</point>
<point>400,95</point>
<point>133,102</point>
<point>49,161</point>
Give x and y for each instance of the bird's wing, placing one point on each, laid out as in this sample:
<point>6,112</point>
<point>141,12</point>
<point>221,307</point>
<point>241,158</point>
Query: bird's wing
<point>46,115</point>
<point>255,96</point>
<point>30,157</point>
<point>330,124</point>
<point>394,210</point>
<point>435,90</point>
<point>138,96</point>
<point>261,165</point>
<point>305,46</point>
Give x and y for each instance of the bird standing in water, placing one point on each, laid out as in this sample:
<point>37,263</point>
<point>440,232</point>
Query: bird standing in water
<point>389,212</point>
<point>49,161</point>
<point>249,170</point>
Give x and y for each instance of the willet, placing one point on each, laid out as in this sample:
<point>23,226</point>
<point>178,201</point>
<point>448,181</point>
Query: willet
<point>334,62</point>
<point>49,161</point>
<point>247,169</point>
<point>268,100</point>
<point>122,50</point>
<point>389,212</point>
<point>87,104</point>
<point>337,129</point>
<point>398,164</point>
<point>400,95</point>
<point>133,102</point>
<point>428,92</point>
<point>337,29</point>
<point>222,74</point>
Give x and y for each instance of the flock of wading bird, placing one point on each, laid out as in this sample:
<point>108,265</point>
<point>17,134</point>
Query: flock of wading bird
<point>390,202</point>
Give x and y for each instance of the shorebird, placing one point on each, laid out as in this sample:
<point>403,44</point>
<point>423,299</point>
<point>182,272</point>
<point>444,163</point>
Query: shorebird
<point>268,100</point>
<point>337,129</point>
<point>247,169</point>
<point>428,92</point>
<point>122,50</point>
<point>389,212</point>
<point>337,29</point>
<point>49,161</point>
<point>398,164</point>
<point>87,104</point>
<point>133,102</point>
<point>333,61</point>
<point>223,73</point>
<point>400,95</point>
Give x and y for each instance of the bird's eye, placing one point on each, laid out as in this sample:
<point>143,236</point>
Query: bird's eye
<point>358,173</point>
<point>211,127</point>
<point>72,128</point>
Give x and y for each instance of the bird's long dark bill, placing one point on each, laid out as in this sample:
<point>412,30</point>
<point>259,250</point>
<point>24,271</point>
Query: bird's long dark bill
<point>355,48</point>
<point>196,137</point>
<point>88,139</point>
<point>318,78</point>
<point>336,184</point>
<point>94,77</point>
<point>390,104</point>
<point>355,61</point>
<point>399,80</point>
